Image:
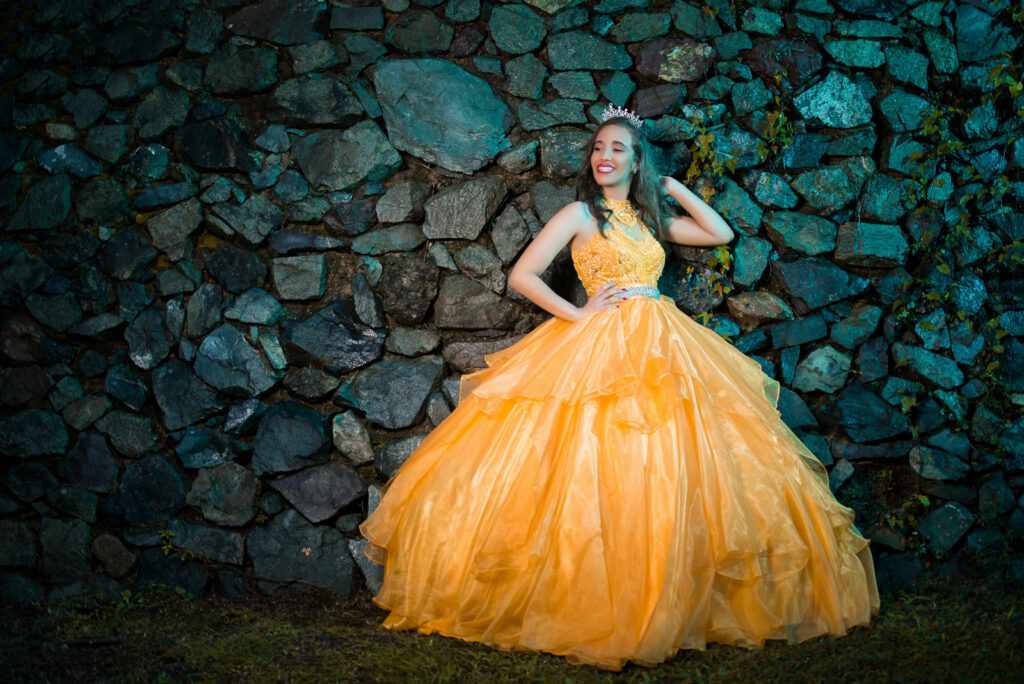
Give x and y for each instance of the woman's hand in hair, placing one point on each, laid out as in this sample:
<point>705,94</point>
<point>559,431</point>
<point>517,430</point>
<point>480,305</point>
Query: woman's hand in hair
<point>666,185</point>
<point>704,227</point>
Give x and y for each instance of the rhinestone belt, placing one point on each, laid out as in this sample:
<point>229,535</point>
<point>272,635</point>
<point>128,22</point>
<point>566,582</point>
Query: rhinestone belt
<point>640,291</point>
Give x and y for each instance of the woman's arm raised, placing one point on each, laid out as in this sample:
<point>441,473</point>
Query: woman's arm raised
<point>525,275</point>
<point>706,229</point>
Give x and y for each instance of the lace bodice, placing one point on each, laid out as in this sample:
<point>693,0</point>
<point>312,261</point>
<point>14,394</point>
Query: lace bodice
<point>617,257</point>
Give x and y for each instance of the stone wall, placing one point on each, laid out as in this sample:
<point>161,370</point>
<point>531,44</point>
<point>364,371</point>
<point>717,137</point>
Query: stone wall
<point>248,250</point>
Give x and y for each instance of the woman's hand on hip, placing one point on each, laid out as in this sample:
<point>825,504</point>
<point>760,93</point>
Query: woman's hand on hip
<point>604,298</point>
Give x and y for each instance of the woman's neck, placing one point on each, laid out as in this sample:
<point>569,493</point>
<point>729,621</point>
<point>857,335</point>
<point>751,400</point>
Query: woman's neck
<point>616,192</point>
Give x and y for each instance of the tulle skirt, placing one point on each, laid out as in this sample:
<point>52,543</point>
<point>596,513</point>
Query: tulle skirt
<point>617,489</point>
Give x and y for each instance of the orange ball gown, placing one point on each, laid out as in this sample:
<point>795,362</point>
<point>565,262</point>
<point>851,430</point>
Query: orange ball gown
<point>616,489</point>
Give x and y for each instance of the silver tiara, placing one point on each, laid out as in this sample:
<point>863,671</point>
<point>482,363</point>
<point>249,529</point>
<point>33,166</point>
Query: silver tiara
<point>614,111</point>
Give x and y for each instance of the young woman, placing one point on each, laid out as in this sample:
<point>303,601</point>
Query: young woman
<point>618,484</point>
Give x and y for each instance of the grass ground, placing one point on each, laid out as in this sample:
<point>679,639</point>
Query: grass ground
<point>964,629</point>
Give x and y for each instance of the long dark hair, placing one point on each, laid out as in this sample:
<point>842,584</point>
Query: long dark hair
<point>644,188</point>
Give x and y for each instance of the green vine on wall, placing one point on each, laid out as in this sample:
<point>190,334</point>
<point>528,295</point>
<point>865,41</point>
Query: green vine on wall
<point>974,196</point>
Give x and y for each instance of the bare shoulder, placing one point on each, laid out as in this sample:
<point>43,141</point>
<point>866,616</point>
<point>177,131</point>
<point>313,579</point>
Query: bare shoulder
<point>577,215</point>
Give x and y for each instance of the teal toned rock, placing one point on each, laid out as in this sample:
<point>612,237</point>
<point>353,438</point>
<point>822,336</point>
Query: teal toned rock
<point>339,160</point>
<point>696,22</point>
<point>130,434</point>
<point>548,199</point>
<point>277,552</point>
<point>300,277</point>
<point>867,28</point>
<point>671,129</point>
<point>357,18</point>
<point>750,96</point>
<point>108,143</point>
<point>736,207</point>
<point>548,114</point>
<point>44,205</point>
<point>574,84</point>
<point>516,29</point>
<point>856,328</point>
<point>481,263</point>
<point>412,341</point>
<point>835,102</point>
<point>461,11</point>
<point>204,28</point>
<point>732,144</point>
<point>942,52</point>
<point>830,188</point>
<point>886,199</point>
<point>982,121</point>
<point>758,20</point>
<point>466,304</point>
<point>907,66</point>
<point>285,22</point>
<point>520,158</point>
<point>908,156</point>
<point>32,432</point>
<point>799,331</point>
<point>552,6</point>
<point>941,370</point>
<point>933,330</point>
<point>255,306</point>
<point>561,152</point>
<point>935,464</point>
<point>731,45</point>
<point>980,36</point>
<point>509,234</point>
<point>823,369</point>
<point>461,211</point>
<point>400,238</point>
<point>171,228</point>
<point>715,88</point>
<point>525,76</point>
<point>249,70</point>
<point>806,151</point>
<point>420,32</point>
<point>577,50</point>
<point>160,111</point>
<point>403,202</point>
<point>316,99</point>
<point>617,88</point>
<point>928,13</point>
<point>254,219</point>
<point>638,26</point>
<point>803,233</point>
<point>865,54</point>
<point>941,188</point>
<point>815,282</point>
<point>770,190</point>
<point>815,26</point>
<point>859,141</point>
<point>751,258</point>
<point>944,527</point>
<point>575,17</point>
<point>871,244</point>
<point>904,111</point>
<point>896,389</point>
<point>362,52</point>
<point>462,131</point>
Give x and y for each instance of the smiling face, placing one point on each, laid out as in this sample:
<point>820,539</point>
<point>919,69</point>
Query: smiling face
<point>612,159</point>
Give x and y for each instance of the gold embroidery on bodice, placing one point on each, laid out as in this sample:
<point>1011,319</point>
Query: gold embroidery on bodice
<point>616,256</point>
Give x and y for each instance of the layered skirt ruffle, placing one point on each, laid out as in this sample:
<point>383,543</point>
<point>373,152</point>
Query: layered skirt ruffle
<point>617,489</point>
